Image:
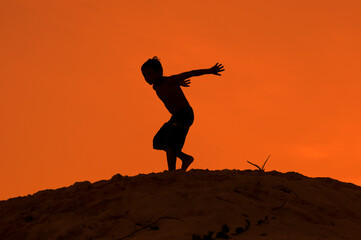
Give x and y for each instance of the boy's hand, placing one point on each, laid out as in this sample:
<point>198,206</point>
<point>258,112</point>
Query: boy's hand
<point>185,82</point>
<point>216,69</point>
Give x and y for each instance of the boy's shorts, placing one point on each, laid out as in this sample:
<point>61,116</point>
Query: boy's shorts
<point>172,134</point>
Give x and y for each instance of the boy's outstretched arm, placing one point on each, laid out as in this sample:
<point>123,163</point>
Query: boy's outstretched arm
<point>216,69</point>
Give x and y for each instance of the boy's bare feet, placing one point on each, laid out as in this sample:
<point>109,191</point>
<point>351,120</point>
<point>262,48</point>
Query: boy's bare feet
<point>186,160</point>
<point>186,163</point>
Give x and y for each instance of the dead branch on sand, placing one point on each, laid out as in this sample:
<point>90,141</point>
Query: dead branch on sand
<point>260,168</point>
<point>152,226</point>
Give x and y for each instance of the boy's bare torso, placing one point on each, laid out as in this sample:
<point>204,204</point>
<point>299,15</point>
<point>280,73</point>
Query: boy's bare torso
<point>171,94</point>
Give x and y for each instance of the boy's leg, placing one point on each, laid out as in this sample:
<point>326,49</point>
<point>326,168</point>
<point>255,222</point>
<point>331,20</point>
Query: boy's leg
<point>186,160</point>
<point>171,159</point>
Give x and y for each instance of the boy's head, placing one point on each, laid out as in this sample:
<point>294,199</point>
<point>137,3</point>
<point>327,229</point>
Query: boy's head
<point>152,70</point>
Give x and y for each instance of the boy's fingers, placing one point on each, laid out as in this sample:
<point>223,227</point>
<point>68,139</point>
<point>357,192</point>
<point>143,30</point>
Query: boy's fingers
<point>218,68</point>
<point>185,83</point>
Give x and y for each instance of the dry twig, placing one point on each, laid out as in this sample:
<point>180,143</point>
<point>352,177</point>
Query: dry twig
<point>260,168</point>
<point>150,226</point>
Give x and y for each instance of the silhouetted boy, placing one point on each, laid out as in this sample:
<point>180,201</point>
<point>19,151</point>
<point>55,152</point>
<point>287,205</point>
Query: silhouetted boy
<point>171,136</point>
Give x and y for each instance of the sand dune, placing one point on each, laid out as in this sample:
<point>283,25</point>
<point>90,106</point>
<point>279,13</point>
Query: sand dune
<point>198,204</point>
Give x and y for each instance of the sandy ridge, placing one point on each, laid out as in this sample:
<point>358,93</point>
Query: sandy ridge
<point>182,205</point>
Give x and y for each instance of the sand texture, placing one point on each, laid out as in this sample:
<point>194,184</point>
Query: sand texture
<point>198,204</point>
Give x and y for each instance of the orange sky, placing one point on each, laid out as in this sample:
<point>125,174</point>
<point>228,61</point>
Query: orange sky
<point>74,105</point>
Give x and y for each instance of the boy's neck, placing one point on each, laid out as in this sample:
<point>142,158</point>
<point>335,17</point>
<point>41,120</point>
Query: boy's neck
<point>158,81</point>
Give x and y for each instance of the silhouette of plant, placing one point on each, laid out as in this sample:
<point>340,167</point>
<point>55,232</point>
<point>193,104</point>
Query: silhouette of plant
<point>205,237</point>
<point>223,234</point>
<point>240,230</point>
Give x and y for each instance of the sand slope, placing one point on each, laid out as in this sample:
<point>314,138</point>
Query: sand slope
<point>186,205</point>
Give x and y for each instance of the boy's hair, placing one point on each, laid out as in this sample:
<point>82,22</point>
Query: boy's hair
<point>153,63</point>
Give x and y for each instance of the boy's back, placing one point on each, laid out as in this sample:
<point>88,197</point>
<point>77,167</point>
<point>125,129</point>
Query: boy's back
<point>171,94</point>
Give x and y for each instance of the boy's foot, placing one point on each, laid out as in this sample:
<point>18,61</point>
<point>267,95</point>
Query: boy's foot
<point>186,161</point>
